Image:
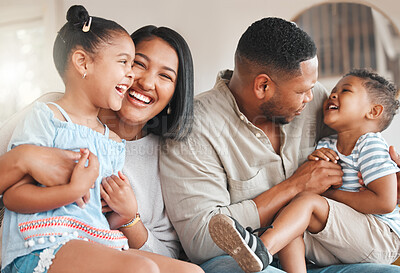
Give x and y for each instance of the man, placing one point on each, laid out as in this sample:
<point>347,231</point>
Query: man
<point>246,156</point>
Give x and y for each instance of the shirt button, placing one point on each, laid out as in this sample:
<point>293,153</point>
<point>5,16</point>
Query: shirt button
<point>241,117</point>
<point>258,135</point>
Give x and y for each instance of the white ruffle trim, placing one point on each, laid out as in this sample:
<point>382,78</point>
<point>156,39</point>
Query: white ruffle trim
<point>46,258</point>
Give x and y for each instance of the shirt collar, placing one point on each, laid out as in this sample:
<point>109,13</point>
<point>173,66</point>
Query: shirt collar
<point>221,84</point>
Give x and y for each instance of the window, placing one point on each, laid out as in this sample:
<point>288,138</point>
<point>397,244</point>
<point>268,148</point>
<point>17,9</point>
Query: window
<point>27,32</point>
<point>352,36</point>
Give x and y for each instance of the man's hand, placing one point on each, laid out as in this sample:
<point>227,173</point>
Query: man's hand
<point>318,176</point>
<point>396,158</point>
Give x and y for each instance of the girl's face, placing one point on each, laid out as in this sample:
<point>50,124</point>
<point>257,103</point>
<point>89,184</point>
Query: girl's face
<point>156,72</point>
<point>347,106</point>
<point>111,72</point>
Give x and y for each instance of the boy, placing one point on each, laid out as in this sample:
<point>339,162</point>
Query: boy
<point>351,224</point>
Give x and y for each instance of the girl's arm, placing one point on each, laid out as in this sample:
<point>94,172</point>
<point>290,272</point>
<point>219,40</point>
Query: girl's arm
<point>118,195</point>
<point>25,197</point>
<point>379,197</point>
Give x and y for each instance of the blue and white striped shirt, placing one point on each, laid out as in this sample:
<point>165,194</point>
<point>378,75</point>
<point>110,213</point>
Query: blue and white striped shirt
<point>370,156</point>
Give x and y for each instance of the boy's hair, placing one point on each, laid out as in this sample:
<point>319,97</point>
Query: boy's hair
<point>71,36</point>
<point>276,46</point>
<point>178,123</point>
<point>381,91</point>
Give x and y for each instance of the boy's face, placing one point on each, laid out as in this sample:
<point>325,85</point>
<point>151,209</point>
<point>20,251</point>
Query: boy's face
<point>347,106</point>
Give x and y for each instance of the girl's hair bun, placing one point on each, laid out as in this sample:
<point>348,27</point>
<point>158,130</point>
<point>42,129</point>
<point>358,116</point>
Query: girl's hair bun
<point>77,14</point>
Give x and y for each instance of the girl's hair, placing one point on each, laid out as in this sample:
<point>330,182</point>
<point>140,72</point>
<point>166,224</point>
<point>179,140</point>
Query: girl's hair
<point>71,36</point>
<point>380,91</point>
<point>178,124</point>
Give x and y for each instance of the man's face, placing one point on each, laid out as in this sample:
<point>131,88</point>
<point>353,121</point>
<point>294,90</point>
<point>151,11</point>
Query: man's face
<point>290,97</point>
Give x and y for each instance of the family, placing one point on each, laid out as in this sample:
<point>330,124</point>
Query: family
<point>127,172</point>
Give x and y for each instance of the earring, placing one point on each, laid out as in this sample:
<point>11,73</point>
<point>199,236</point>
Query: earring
<point>84,75</point>
<point>169,109</point>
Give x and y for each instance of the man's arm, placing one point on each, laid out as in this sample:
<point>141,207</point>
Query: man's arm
<point>396,158</point>
<point>196,187</point>
<point>312,176</point>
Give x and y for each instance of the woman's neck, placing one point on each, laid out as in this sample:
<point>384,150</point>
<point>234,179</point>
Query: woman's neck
<point>122,129</point>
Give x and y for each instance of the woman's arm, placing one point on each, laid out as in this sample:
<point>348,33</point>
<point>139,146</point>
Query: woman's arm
<point>26,197</point>
<point>379,197</point>
<point>32,160</point>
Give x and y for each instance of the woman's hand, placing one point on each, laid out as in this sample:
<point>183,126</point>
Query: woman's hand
<point>118,196</point>
<point>48,166</point>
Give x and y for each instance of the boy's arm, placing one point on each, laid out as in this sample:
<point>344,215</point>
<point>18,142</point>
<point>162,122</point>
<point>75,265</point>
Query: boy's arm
<point>379,197</point>
<point>26,197</point>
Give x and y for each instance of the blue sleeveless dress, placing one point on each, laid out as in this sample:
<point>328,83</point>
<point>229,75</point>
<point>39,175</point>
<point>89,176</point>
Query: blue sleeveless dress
<point>25,233</point>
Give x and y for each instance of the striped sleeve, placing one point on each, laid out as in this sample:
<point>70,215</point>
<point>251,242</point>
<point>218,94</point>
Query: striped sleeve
<point>374,159</point>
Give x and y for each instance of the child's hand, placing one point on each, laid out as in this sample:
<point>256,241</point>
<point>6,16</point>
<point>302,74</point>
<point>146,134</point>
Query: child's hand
<point>324,154</point>
<point>83,178</point>
<point>118,194</point>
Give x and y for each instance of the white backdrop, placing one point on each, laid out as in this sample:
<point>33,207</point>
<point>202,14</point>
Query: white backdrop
<point>211,28</point>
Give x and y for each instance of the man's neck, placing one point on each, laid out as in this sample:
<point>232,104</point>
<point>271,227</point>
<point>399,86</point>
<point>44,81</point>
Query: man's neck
<point>273,132</point>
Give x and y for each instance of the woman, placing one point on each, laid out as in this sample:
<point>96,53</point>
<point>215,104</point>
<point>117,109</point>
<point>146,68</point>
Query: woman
<point>158,105</point>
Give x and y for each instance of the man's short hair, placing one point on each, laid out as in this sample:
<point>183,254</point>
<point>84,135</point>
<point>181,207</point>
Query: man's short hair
<point>275,45</point>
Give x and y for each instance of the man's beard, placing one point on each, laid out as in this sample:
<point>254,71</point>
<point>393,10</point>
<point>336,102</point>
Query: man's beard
<point>269,110</point>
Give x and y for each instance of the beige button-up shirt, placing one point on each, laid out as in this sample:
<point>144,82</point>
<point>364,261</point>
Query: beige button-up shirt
<point>227,161</point>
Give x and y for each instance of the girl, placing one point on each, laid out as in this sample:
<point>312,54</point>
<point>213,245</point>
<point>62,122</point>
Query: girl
<point>84,58</point>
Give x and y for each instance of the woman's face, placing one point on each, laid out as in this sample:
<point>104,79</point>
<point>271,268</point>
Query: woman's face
<point>156,72</point>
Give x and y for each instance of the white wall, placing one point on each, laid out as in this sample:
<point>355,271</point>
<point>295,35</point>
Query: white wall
<point>211,27</point>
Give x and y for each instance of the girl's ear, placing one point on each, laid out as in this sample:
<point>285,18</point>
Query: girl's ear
<point>80,61</point>
<point>375,112</point>
<point>262,88</point>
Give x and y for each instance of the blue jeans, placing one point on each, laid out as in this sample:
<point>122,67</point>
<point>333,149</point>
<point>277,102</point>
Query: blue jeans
<point>226,264</point>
